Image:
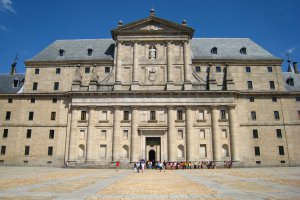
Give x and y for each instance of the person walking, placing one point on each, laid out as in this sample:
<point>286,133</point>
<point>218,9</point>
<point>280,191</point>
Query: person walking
<point>118,165</point>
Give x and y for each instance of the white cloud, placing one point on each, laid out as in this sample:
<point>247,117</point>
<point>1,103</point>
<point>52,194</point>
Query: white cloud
<point>3,28</point>
<point>6,5</point>
<point>290,50</point>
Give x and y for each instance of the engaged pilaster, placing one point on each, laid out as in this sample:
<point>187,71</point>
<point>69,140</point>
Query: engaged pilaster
<point>135,63</point>
<point>190,144</point>
<point>135,141</point>
<point>116,150</point>
<point>169,63</point>
<point>186,61</point>
<point>118,64</point>
<point>233,134</point>
<point>216,139</point>
<point>72,139</point>
<point>172,156</point>
<point>90,138</point>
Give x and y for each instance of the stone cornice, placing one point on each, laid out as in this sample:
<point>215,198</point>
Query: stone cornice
<point>67,62</point>
<point>265,62</point>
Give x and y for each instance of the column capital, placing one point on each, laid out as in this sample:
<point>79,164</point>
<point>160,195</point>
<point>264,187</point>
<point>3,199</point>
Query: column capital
<point>214,107</point>
<point>189,107</point>
<point>170,107</point>
<point>135,107</point>
<point>117,107</point>
<point>231,107</point>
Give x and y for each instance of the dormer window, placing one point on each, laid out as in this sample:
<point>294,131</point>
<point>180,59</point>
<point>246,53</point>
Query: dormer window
<point>290,81</point>
<point>16,83</point>
<point>61,52</point>
<point>90,52</point>
<point>214,50</point>
<point>243,50</point>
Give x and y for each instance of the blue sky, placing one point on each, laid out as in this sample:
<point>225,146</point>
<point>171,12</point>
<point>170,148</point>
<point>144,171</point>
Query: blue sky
<point>29,26</point>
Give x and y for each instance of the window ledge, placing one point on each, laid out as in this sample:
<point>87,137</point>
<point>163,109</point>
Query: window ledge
<point>125,121</point>
<point>178,121</point>
<point>223,120</point>
<point>152,121</point>
<point>82,121</point>
<point>103,121</point>
<point>201,120</point>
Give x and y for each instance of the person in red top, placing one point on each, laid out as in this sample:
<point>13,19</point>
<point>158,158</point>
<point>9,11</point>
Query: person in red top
<point>118,165</point>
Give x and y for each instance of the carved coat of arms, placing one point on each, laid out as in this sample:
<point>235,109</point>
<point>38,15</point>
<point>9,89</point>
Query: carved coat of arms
<point>152,74</point>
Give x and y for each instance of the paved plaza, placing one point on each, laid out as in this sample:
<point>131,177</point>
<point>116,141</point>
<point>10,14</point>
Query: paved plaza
<point>40,183</point>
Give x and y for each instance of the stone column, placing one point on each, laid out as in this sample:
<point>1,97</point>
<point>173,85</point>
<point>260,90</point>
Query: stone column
<point>233,134</point>
<point>169,63</point>
<point>186,61</point>
<point>134,143</point>
<point>135,63</point>
<point>116,150</point>
<point>190,139</point>
<point>90,137</point>
<point>73,134</point>
<point>118,64</point>
<point>172,156</point>
<point>216,138</point>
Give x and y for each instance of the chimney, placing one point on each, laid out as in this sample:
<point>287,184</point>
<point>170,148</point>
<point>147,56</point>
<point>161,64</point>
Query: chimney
<point>184,22</point>
<point>295,65</point>
<point>13,68</point>
<point>290,67</point>
<point>152,12</point>
<point>120,23</point>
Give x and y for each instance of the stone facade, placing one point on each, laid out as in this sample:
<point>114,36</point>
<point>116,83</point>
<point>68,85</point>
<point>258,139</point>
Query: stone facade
<point>153,92</point>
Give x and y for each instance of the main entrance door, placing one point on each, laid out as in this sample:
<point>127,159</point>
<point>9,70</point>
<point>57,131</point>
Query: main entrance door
<point>153,148</point>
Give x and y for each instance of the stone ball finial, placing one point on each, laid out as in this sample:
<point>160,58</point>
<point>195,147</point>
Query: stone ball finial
<point>152,12</point>
<point>120,23</point>
<point>184,22</point>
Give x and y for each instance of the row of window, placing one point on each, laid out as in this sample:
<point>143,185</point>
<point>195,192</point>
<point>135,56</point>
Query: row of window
<point>55,86</point>
<point>278,133</point>
<point>27,150</point>
<point>219,69</point>
<point>250,85</point>
<point>276,115</point>
<point>30,115</point>
<point>89,51</point>
<point>87,70</point>
<point>252,99</point>
<point>28,133</point>
<point>280,150</point>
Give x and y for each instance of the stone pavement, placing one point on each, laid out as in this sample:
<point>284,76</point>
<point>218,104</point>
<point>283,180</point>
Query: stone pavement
<point>41,183</point>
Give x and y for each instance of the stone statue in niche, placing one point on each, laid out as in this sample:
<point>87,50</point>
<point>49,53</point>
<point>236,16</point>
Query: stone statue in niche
<point>152,74</point>
<point>152,52</point>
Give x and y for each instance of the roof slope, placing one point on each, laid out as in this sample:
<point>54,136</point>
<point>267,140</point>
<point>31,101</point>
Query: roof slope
<point>7,83</point>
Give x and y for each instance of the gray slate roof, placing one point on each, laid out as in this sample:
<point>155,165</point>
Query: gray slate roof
<point>228,48</point>
<point>7,83</point>
<point>296,77</point>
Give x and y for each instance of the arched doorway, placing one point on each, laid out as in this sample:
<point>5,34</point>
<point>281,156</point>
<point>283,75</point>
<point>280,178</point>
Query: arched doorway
<point>152,155</point>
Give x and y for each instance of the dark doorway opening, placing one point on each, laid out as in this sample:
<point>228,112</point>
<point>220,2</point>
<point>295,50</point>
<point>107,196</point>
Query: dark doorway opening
<point>151,155</point>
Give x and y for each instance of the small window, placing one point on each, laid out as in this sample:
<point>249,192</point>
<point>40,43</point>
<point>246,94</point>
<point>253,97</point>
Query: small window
<point>54,100</point>
<point>126,115</point>
<point>218,69</point>
<point>87,70</point>
<point>9,100</point>
<point>250,85</point>
<point>179,115</point>
<point>35,86</point>
<point>270,69</point>
<point>223,114</point>
<point>27,150</point>
<point>37,71</point>
<point>278,133</point>
<point>152,115</point>
<point>16,83</point>
<point>61,52</point>
<point>7,116</point>
<point>281,150</point>
<point>257,151</point>
<point>180,134</point>
<point>251,99</point>
<point>243,50</point>
<point>56,86</point>
<point>32,100</point>
<point>258,162</point>
<point>51,134</point>
<point>198,69</point>
<point>57,71</point>
<point>83,115</point>
<point>5,133</point>
<point>50,151</point>
<point>53,115</point>
<point>248,69</point>
<point>90,52</point>
<point>282,161</point>
<point>290,81</point>
<point>103,134</point>
<point>3,150</point>
<point>297,98</point>
<point>125,134</point>
<point>107,70</point>
<point>30,116</point>
<point>28,133</point>
<point>253,115</point>
<point>214,50</point>
<point>272,85</point>
<point>255,133</point>
<point>276,115</point>
<point>274,99</point>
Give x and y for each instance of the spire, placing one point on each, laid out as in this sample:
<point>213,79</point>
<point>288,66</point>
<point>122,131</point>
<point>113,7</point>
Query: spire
<point>152,12</point>
<point>290,67</point>
<point>13,66</point>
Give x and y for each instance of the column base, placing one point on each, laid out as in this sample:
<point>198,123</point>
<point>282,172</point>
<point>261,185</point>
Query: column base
<point>71,163</point>
<point>135,85</point>
<point>187,86</point>
<point>170,86</point>
<point>118,86</point>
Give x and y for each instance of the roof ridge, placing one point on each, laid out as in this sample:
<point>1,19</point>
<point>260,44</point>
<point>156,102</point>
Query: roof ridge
<point>84,39</point>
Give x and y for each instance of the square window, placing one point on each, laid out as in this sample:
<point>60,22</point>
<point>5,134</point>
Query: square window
<point>125,134</point>
<point>179,115</point>
<point>32,100</point>
<point>250,85</point>
<point>83,115</point>
<point>278,133</point>
<point>198,69</point>
<point>90,52</point>
<point>180,134</point>
<point>276,115</point>
<point>253,115</point>
<point>274,99</point>
<point>103,134</point>
<point>270,69</point>
<point>223,114</point>
<point>152,115</point>
<point>282,161</point>
<point>224,133</point>
<point>51,134</point>
<point>27,150</point>
<point>30,116</point>
<point>251,99</point>
<point>281,150</point>
<point>87,70</point>
<point>56,86</point>
<point>54,100</point>
<point>53,115</point>
<point>258,162</point>
<point>57,70</point>
<point>16,83</point>
<point>28,133</point>
<point>9,100</point>
<point>257,151</point>
<point>272,85</point>
<point>37,71</point>
<point>35,86</point>
<point>255,133</point>
<point>3,150</point>
<point>202,133</point>
<point>107,70</point>
<point>7,116</point>
<point>248,69</point>
<point>61,52</point>
<point>5,133</point>
<point>50,151</point>
<point>126,115</point>
<point>218,69</point>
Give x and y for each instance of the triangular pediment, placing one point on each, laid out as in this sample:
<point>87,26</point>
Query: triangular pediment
<point>152,25</point>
